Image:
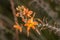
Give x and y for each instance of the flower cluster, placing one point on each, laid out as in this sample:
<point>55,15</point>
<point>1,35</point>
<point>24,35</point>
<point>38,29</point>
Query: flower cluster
<point>28,19</point>
<point>24,10</point>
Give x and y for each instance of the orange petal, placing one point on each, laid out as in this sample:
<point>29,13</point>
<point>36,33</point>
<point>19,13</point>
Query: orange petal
<point>17,15</point>
<point>33,27</point>
<point>35,23</point>
<point>25,10</point>
<point>30,12</point>
<point>20,29</point>
<point>25,24</point>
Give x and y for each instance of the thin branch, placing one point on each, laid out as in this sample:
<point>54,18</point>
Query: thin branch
<point>14,14</point>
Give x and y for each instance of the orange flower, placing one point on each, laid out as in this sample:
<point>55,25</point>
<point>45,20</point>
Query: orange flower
<point>30,24</point>
<point>18,27</point>
<point>27,13</point>
<point>24,11</point>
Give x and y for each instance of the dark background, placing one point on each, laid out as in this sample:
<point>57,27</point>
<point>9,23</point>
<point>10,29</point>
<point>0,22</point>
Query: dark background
<point>7,20</point>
